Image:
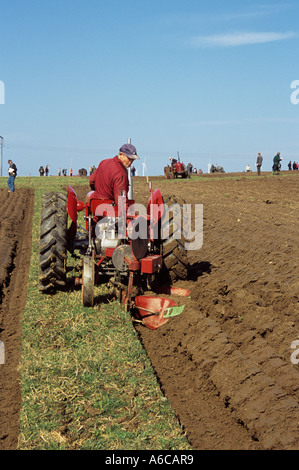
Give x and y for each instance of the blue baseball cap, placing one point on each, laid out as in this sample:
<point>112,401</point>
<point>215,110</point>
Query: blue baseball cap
<point>130,151</point>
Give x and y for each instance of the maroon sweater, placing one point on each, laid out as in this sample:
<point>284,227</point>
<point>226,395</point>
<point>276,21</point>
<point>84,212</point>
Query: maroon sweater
<point>110,180</point>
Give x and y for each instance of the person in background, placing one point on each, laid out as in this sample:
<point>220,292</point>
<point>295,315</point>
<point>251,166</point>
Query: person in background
<point>12,173</point>
<point>189,168</point>
<point>276,164</point>
<point>259,162</point>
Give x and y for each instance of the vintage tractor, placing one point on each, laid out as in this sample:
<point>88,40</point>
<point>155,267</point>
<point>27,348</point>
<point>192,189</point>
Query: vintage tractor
<point>132,251</point>
<point>217,169</point>
<point>176,169</point>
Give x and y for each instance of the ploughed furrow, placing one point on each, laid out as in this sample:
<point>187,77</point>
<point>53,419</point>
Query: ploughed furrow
<point>251,395</point>
<point>15,252</point>
<point>12,217</point>
<point>245,336</point>
<point>229,364</point>
<point>210,378</point>
<point>7,265</point>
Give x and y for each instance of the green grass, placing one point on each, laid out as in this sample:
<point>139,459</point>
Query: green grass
<point>86,381</point>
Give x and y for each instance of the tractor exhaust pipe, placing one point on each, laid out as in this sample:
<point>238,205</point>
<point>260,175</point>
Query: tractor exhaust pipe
<point>130,193</point>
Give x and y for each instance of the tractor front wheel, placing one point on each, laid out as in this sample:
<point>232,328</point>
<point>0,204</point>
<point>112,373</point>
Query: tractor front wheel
<point>88,281</point>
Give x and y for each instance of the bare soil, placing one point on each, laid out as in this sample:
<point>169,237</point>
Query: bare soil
<point>15,252</point>
<point>225,362</point>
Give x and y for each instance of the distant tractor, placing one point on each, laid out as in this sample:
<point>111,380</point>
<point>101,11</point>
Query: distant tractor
<point>217,169</point>
<point>176,169</point>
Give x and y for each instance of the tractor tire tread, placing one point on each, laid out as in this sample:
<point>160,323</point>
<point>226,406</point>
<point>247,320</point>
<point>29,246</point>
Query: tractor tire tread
<point>175,260</point>
<point>53,242</point>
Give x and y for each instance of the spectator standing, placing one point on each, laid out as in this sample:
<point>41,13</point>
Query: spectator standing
<point>276,163</point>
<point>259,162</point>
<point>12,173</point>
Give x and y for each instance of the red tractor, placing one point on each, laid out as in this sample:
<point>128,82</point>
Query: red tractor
<point>129,250</point>
<point>176,169</point>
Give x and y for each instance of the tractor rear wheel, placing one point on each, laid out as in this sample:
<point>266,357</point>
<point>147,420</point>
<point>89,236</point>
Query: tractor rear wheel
<point>53,242</point>
<point>173,227</point>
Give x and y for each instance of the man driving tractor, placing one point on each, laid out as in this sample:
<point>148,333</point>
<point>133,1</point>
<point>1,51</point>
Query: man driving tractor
<point>110,180</point>
<point>130,249</point>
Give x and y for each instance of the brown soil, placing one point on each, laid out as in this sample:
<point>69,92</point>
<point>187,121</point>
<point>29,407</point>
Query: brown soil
<point>225,362</point>
<point>15,251</point>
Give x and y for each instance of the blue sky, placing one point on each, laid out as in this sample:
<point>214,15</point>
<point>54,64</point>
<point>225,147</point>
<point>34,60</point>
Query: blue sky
<point>210,80</point>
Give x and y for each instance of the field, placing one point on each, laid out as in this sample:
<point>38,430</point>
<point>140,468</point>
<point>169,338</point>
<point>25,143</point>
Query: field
<point>15,252</point>
<point>227,365</point>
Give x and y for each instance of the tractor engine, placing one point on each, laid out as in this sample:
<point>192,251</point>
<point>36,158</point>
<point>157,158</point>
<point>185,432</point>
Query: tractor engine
<point>106,236</point>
